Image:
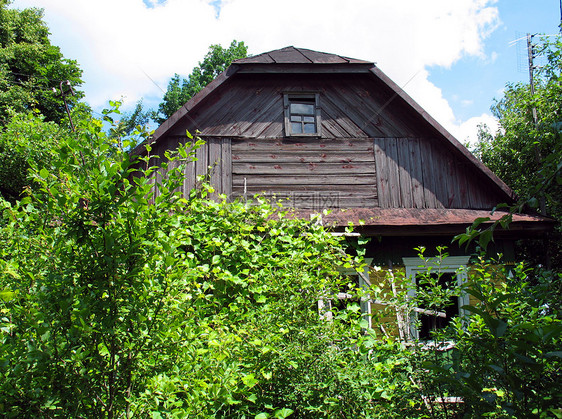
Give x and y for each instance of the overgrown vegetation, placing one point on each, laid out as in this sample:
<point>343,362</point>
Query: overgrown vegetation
<point>526,152</point>
<point>117,303</point>
<point>113,305</point>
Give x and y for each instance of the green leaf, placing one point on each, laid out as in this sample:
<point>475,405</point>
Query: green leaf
<point>283,413</point>
<point>249,380</point>
<point>485,237</point>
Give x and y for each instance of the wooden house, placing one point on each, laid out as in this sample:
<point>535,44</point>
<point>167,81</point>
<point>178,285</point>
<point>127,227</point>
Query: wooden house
<point>324,131</point>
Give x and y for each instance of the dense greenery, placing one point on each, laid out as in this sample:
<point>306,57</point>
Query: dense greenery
<point>112,305</point>
<point>180,90</point>
<point>506,361</point>
<point>526,154</point>
<point>30,111</point>
<point>26,137</point>
<point>30,67</point>
<point>115,303</point>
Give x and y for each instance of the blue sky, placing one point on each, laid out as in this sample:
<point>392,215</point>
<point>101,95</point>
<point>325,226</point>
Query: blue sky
<point>478,81</point>
<point>452,56</point>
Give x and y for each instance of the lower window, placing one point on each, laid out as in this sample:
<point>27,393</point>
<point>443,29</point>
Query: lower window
<point>446,272</point>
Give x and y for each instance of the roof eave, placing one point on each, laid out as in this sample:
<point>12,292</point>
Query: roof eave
<point>298,68</point>
<point>169,123</point>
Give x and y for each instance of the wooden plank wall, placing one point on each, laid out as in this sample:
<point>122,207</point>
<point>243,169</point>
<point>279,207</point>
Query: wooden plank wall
<point>417,173</point>
<point>352,106</point>
<point>309,174</point>
<point>212,161</point>
<point>374,151</point>
<point>333,173</point>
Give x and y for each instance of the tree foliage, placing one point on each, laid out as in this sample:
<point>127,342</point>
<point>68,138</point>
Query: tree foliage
<point>31,67</point>
<point>526,154</point>
<point>180,90</point>
<point>30,111</point>
<point>25,137</point>
<point>116,303</point>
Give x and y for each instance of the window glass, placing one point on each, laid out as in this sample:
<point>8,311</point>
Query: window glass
<point>302,114</point>
<point>296,128</point>
<point>309,128</point>
<point>302,108</point>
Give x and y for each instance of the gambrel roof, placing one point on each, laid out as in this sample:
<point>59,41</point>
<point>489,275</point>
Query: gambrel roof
<point>292,55</point>
<point>364,110</point>
<point>299,60</point>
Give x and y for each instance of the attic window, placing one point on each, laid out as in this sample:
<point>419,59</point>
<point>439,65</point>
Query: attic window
<point>302,114</point>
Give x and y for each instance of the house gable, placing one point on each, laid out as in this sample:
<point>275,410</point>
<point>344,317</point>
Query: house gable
<point>376,149</point>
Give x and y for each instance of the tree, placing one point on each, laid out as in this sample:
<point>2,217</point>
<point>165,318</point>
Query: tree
<point>526,153</point>
<point>30,67</point>
<point>30,111</point>
<point>24,138</point>
<point>180,90</point>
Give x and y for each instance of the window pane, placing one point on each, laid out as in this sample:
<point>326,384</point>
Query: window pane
<point>309,128</point>
<point>296,118</point>
<point>308,119</point>
<point>296,128</point>
<point>302,108</point>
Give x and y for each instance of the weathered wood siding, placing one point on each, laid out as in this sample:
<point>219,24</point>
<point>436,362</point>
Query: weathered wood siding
<point>311,174</point>
<point>210,163</point>
<point>352,106</point>
<point>417,173</point>
<point>374,150</point>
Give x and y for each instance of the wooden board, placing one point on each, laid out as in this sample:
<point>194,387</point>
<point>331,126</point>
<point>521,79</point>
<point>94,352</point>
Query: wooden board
<point>312,173</point>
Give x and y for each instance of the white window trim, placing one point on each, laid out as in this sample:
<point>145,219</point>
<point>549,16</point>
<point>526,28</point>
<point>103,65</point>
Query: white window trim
<point>324,308</point>
<point>449,264</point>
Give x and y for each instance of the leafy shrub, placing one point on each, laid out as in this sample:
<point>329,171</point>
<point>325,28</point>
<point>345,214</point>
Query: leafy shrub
<point>119,303</point>
<point>507,360</point>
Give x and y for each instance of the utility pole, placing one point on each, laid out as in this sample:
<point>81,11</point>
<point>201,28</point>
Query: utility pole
<point>531,55</point>
<point>538,157</point>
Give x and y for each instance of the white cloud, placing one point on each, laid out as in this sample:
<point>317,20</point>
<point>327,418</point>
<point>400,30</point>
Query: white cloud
<point>467,131</point>
<point>123,44</point>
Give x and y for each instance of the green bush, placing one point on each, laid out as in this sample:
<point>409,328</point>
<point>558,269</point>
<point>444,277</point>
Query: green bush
<point>507,360</point>
<point>117,304</point>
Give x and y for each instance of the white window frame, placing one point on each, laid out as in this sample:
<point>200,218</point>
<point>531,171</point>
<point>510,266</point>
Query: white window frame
<point>325,306</point>
<point>450,264</point>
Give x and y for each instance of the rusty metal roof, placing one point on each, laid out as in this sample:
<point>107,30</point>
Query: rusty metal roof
<point>397,221</point>
<point>292,55</point>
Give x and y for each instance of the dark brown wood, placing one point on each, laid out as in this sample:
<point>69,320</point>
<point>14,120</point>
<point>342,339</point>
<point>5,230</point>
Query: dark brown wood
<point>430,194</point>
<point>405,181</point>
<point>226,160</point>
<point>416,174</point>
<point>376,148</point>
